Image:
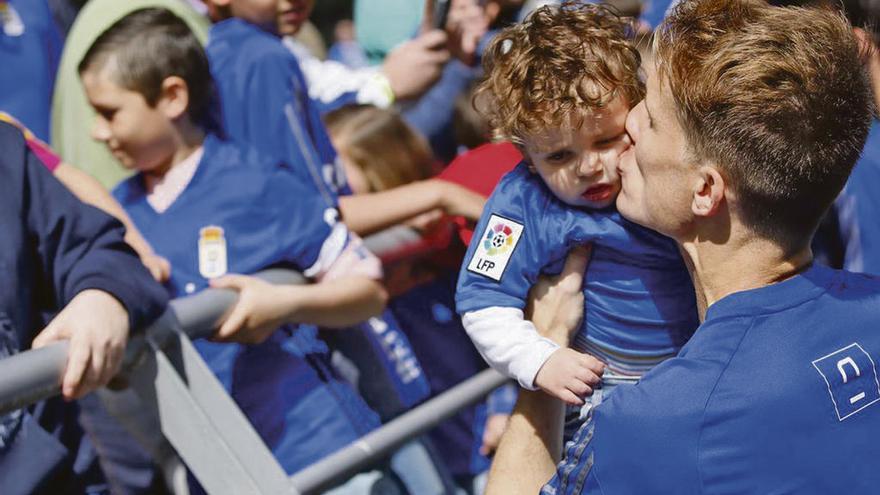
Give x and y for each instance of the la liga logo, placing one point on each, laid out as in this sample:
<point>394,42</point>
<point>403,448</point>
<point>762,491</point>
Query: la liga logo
<point>499,239</point>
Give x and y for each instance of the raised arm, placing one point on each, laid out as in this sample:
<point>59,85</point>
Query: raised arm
<point>532,444</point>
<point>367,213</point>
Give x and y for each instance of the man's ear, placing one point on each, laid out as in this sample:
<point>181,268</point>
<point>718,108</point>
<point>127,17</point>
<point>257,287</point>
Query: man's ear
<point>708,191</point>
<point>174,99</point>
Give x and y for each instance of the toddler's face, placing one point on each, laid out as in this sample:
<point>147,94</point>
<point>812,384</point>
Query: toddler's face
<point>580,165</point>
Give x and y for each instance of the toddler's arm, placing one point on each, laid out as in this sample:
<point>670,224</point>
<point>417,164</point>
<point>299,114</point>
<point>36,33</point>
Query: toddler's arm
<point>509,343</point>
<point>512,345</point>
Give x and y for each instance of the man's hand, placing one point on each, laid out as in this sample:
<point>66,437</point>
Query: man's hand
<point>96,324</point>
<point>569,375</point>
<point>556,304</point>
<point>413,66</point>
<point>257,313</point>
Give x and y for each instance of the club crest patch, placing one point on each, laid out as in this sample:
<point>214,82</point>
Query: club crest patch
<point>212,252</point>
<point>495,247</point>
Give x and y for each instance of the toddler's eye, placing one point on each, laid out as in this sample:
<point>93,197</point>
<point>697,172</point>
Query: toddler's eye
<point>559,156</point>
<point>610,141</point>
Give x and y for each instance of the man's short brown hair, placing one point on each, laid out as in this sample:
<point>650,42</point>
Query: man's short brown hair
<point>559,64</point>
<point>777,97</point>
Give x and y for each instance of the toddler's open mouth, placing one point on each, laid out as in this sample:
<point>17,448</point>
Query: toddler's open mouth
<point>599,192</point>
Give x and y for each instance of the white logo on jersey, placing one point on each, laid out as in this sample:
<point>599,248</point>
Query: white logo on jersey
<point>851,378</point>
<point>495,247</point>
<point>331,216</point>
<point>212,252</point>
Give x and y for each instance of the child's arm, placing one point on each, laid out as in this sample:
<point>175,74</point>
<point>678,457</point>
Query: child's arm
<point>368,213</point>
<point>263,307</point>
<point>347,292</point>
<point>90,191</point>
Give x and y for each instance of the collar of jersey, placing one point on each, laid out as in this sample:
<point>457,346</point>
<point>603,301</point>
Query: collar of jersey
<point>772,298</point>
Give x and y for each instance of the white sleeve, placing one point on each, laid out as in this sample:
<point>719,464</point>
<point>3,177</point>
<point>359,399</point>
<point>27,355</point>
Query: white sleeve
<point>342,255</point>
<point>509,343</point>
<point>328,80</point>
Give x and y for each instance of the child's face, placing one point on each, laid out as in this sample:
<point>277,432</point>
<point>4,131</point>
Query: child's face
<point>263,13</point>
<point>580,165</point>
<point>141,137</point>
<point>292,14</point>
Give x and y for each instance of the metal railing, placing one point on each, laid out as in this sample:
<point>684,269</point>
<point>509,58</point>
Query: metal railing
<point>179,393</point>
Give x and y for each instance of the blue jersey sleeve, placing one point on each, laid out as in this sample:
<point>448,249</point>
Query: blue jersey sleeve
<point>307,230</point>
<point>524,231</point>
<point>275,114</point>
<point>81,247</point>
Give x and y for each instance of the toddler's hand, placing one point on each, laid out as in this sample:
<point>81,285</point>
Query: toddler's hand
<point>569,375</point>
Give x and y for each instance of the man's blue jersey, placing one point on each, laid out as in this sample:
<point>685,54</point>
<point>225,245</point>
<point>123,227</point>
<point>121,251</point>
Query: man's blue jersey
<point>638,295</point>
<point>777,392</point>
<point>241,214</point>
<point>858,209</point>
<point>266,104</point>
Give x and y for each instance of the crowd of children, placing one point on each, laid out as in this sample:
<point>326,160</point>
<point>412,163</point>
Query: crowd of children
<point>230,147</point>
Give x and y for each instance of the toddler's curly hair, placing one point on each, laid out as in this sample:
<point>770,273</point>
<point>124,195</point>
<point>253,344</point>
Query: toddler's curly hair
<point>554,68</point>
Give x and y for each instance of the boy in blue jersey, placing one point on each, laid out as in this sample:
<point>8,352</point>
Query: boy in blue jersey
<point>560,85</point>
<point>748,131</point>
<point>211,208</point>
<point>266,104</point>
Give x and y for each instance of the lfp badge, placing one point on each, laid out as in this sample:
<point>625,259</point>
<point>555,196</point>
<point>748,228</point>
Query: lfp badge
<point>212,252</point>
<point>496,247</point>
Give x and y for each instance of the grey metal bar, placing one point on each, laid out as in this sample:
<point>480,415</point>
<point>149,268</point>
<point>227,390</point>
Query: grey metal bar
<point>378,444</point>
<point>203,423</point>
<point>31,376</point>
<point>34,375</point>
<point>391,239</point>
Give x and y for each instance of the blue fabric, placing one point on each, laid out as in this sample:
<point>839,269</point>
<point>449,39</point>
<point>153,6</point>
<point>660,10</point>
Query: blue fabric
<point>858,209</point>
<point>52,248</point>
<point>392,380</point>
<point>30,61</point>
<point>285,385</point>
<point>765,398</point>
<point>638,295</point>
<point>432,114</point>
<point>448,357</point>
<point>655,11</point>
<point>266,104</point>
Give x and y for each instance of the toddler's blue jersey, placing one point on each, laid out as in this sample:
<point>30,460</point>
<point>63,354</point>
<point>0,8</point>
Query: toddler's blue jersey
<point>266,104</point>
<point>639,299</point>
<point>777,392</point>
<point>268,218</point>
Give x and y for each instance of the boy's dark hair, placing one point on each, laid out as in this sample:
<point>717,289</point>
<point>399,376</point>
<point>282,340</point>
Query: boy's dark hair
<point>148,46</point>
<point>778,97</point>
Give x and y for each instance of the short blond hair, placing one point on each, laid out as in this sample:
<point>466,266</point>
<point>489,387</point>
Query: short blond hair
<point>555,67</point>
